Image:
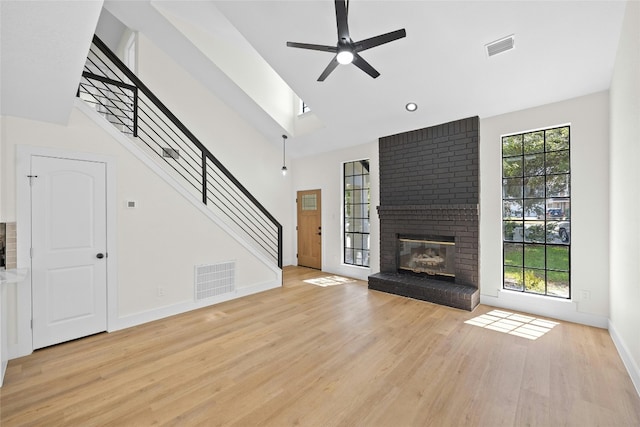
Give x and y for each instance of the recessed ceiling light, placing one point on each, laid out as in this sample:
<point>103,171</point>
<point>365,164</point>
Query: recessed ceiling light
<point>412,106</point>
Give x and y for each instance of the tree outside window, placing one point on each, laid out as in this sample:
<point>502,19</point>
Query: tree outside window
<point>536,213</point>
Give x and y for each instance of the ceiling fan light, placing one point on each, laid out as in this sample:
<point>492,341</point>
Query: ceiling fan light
<point>345,57</point>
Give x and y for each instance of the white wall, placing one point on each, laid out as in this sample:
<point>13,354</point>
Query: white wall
<point>158,243</point>
<point>588,117</point>
<point>3,190</point>
<point>254,160</point>
<point>624,195</point>
<point>324,172</point>
<point>219,41</point>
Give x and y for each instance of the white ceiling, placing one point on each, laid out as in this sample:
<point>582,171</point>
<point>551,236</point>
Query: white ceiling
<point>43,47</point>
<point>564,49</point>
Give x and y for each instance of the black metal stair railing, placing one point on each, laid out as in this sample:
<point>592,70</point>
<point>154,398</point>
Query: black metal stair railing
<point>116,93</point>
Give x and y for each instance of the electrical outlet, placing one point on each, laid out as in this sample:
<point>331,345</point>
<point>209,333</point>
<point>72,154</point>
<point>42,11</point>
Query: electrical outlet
<point>585,295</point>
<point>160,291</point>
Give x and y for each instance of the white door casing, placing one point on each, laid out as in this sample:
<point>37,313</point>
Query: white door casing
<point>68,231</point>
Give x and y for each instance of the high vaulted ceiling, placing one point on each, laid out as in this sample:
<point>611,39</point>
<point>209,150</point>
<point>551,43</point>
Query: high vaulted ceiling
<point>564,49</point>
<point>43,47</point>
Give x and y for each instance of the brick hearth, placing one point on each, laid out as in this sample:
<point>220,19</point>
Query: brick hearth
<point>426,289</point>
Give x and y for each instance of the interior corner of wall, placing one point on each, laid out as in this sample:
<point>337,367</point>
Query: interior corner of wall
<point>626,355</point>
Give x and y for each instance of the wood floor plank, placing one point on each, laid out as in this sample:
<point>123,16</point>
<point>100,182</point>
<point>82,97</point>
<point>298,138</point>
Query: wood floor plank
<point>323,356</point>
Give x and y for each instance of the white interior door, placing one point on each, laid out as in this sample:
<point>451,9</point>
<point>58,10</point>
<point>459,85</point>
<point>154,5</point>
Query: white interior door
<point>68,258</point>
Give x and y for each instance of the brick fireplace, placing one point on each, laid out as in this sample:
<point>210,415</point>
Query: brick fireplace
<point>429,191</point>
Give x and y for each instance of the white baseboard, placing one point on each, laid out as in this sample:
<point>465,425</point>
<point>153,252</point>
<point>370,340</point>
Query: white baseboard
<point>543,306</point>
<point>183,307</point>
<point>625,355</point>
<point>3,369</point>
<point>360,273</point>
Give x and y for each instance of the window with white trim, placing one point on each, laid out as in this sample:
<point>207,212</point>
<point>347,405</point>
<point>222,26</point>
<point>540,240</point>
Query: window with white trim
<point>536,212</point>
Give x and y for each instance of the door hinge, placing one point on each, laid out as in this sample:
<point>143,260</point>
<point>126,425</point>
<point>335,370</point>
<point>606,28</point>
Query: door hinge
<point>31,324</point>
<point>31,179</point>
<point>296,255</point>
<point>30,252</point>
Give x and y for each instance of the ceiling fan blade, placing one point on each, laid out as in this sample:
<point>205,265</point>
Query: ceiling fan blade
<point>332,66</point>
<point>320,47</point>
<point>341,21</point>
<point>378,40</point>
<point>345,45</point>
<point>359,62</point>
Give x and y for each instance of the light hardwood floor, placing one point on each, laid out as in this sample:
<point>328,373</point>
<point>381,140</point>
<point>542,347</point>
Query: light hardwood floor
<point>323,356</point>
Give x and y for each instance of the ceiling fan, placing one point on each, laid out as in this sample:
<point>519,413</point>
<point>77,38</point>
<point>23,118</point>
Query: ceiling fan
<point>346,50</point>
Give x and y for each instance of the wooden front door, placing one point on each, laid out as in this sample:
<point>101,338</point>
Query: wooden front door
<point>309,229</point>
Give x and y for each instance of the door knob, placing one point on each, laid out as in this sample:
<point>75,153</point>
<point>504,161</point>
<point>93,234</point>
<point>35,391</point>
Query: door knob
<point>100,256</point>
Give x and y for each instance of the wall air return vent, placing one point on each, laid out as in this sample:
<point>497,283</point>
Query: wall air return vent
<point>212,280</point>
<point>499,46</point>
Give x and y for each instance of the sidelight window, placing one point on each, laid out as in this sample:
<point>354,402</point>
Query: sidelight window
<point>356,213</point>
<point>536,212</point>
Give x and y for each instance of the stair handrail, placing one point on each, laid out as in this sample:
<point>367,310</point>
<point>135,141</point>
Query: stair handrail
<point>140,86</point>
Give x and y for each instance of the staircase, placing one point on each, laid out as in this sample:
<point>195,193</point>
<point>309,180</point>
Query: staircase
<point>112,90</point>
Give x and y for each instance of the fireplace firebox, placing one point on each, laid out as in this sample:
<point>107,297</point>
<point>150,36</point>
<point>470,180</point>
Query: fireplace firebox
<point>433,256</point>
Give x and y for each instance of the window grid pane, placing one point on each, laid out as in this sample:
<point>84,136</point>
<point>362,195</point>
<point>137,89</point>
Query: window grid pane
<point>356,194</point>
<point>309,202</point>
<point>536,200</point>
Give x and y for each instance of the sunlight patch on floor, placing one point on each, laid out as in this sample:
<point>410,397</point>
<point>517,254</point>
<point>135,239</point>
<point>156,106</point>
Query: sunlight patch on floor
<point>329,281</point>
<point>513,324</point>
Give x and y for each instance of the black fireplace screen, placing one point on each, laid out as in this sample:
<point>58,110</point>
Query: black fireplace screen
<point>433,256</point>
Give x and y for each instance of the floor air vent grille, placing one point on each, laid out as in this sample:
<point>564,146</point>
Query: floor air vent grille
<point>215,279</point>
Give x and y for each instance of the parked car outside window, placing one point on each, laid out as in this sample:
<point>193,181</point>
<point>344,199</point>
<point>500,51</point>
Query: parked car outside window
<point>554,213</point>
<point>564,231</point>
